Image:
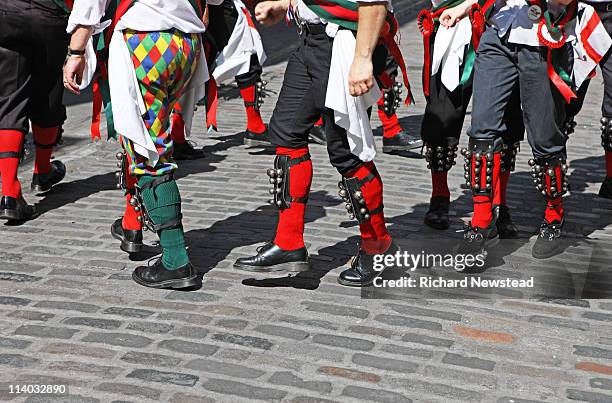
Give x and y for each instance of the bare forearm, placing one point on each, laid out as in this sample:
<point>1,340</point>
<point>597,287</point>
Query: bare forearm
<point>371,20</point>
<point>79,37</point>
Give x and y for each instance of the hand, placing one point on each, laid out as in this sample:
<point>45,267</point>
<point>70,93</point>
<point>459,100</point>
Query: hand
<point>361,76</point>
<point>268,13</point>
<point>73,73</point>
<point>451,16</point>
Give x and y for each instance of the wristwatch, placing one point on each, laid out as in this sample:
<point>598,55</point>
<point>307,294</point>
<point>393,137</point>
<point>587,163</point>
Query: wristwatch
<point>75,52</point>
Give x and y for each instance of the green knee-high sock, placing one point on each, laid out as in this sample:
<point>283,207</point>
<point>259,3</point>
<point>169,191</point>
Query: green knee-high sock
<point>163,203</point>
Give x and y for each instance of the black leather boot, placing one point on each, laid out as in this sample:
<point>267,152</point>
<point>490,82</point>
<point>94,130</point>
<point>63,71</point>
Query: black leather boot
<point>272,258</point>
<point>131,240</point>
<point>475,242</point>
<point>157,276</point>
<point>44,182</point>
<point>253,139</point>
<point>187,151</point>
<point>362,273</point>
<point>437,215</point>
<point>16,209</point>
<point>549,241</point>
<point>403,141</point>
<point>605,190</point>
<point>505,226</point>
<point>317,135</point>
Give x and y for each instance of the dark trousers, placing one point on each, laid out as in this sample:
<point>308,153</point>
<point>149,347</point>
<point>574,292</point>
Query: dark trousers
<point>606,68</point>
<point>500,66</point>
<point>222,20</point>
<point>302,99</point>
<point>33,44</point>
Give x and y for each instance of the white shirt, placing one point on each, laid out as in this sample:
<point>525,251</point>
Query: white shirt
<point>511,15</point>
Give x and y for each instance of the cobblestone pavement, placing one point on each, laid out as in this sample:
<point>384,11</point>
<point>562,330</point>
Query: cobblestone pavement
<point>70,314</point>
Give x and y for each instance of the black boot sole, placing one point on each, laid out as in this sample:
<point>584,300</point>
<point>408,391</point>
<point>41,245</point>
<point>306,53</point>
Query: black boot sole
<point>388,149</point>
<point>316,140</point>
<point>553,252</point>
<point>356,283</point>
<point>127,246</point>
<point>252,142</point>
<point>294,267</point>
<point>46,188</point>
<point>179,283</point>
<point>12,215</point>
<point>604,194</point>
<point>437,226</point>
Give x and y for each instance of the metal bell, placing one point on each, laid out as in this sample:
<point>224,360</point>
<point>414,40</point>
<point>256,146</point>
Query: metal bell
<point>272,180</point>
<point>279,172</point>
<point>348,207</point>
<point>272,191</point>
<point>550,172</point>
<point>366,217</point>
<point>119,165</point>
<point>119,155</point>
<point>363,211</point>
<point>358,194</point>
<point>343,193</point>
<point>137,209</point>
<point>531,162</point>
<point>279,203</point>
<point>118,174</point>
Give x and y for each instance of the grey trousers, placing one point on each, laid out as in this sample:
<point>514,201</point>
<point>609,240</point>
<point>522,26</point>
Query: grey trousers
<point>499,67</point>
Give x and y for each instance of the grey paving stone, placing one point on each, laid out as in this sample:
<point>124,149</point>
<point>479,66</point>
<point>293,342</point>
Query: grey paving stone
<point>289,379</point>
<point>61,399</point>
<point>427,340</point>
<point>150,359</point>
<point>188,347</point>
<point>339,310</point>
<point>351,343</point>
<point>118,339</point>
<point>601,383</point>
<point>18,361</point>
<point>18,278</point>
<point>191,332</point>
<point>18,344</point>
<point>31,315</point>
<point>595,352</point>
<point>223,368</point>
<point>93,322</point>
<point>469,362</point>
<point>82,369</point>
<point>388,364</point>
<point>584,396</point>
<point>45,332</point>
<point>192,296</point>
<point>150,327</point>
<point>6,300</point>
<point>67,306</point>
<point>233,388</point>
<point>175,378</point>
<point>128,312</point>
<point>282,331</point>
<point>406,322</point>
<point>374,395</point>
<point>247,341</point>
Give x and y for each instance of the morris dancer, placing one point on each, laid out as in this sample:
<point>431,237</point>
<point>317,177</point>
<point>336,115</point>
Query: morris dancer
<point>447,84</point>
<point>32,51</point>
<point>524,45</point>
<point>154,56</point>
<point>306,95</point>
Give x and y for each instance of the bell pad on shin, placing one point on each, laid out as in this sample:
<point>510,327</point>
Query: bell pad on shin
<point>508,156</point>
<point>260,94</point>
<point>550,175</point>
<point>392,98</point>
<point>350,190</point>
<point>479,160</point>
<point>139,205</point>
<point>122,172</point>
<point>606,133</point>
<point>280,179</point>
<point>441,158</point>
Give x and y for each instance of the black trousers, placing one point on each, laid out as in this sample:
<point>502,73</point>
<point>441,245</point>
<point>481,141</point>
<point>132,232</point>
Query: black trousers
<point>302,99</point>
<point>222,20</point>
<point>501,66</point>
<point>33,43</point>
<point>606,68</point>
<point>445,112</point>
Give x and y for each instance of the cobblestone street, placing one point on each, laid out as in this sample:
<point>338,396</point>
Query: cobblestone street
<point>71,315</point>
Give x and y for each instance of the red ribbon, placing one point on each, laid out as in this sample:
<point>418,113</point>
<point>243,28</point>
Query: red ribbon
<point>388,39</point>
<point>212,100</point>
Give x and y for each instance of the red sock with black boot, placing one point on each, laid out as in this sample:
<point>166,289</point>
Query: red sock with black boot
<point>504,178</point>
<point>290,228</point>
<point>483,204</point>
<point>44,139</point>
<point>11,141</point>
<point>554,206</point>
<point>608,164</point>
<point>374,236</point>
<point>391,126</point>
<point>439,184</point>
<point>177,132</point>
<point>319,122</point>
<point>130,216</point>
<point>254,122</point>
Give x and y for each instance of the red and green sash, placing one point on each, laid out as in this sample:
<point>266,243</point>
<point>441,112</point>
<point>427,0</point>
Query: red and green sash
<point>555,27</point>
<point>101,90</point>
<point>345,14</point>
<point>428,22</point>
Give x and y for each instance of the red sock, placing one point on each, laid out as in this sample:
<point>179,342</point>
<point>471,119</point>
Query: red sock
<point>504,178</point>
<point>374,236</point>
<point>44,136</point>
<point>483,204</point>
<point>554,209</point>
<point>439,184</point>
<point>178,126</point>
<point>608,164</point>
<point>254,122</point>
<point>319,122</point>
<point>391,126</point>
<point>10,141</point>
<point>290,228</point>
<point>130,216</point>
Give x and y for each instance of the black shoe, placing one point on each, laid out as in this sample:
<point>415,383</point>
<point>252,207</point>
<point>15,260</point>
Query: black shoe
<point>605,190</point>
<point>16,209</point>
<point>505,226</point>
<point>44,182</point>
<point>437,215</point>
<point>403,141</point>
<point>272,258</point>
<point>131,240</point>
<point>362,273</point>
<point>157,276</point>
<point>187,151</point>
<point>475,242</point>
<point>317,135</point>
<point>253,139</point>
<point>549,241</point>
